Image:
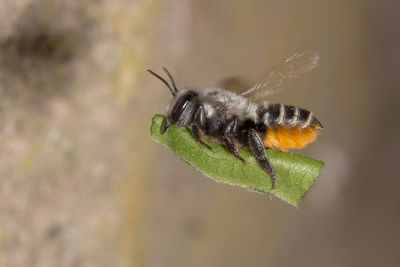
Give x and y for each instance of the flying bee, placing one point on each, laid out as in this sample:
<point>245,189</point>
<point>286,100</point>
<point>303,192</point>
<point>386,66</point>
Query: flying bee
<point>244,119</point>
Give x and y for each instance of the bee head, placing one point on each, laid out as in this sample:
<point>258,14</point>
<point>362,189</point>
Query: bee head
<point>172,89</point>
<point>182,105</point>
<point>182,108</point>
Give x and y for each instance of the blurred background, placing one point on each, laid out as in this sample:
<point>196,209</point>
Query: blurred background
<point>83,184</point>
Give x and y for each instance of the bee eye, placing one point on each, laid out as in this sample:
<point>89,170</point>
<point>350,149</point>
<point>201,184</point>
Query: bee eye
<point>181,105</point>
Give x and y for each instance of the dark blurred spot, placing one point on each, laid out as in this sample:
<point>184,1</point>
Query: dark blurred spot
<point>54,231</point>
<point>38,57</point>
<point>40,46</point>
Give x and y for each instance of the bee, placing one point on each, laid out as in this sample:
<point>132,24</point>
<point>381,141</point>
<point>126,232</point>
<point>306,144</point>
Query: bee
<point>243,118</point>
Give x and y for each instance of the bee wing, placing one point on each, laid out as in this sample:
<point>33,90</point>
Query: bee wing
<point>288,75</point>
<point>233,83</point>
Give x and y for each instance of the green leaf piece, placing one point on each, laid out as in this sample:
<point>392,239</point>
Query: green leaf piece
<point>296,174</point>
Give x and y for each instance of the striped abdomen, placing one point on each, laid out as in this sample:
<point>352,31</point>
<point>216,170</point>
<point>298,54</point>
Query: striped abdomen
<point>288,126</point>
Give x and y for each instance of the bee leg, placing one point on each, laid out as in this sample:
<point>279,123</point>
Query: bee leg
<point>232,148</point>
<point>198,122</point>
<point>197,135</point>
<point>258,150</point>
<point>231,128</point>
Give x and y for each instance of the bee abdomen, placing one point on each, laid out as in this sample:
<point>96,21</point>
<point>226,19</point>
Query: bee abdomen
<point>291,116</point>
<point>269,114</point>
<point>275,115</point>
<point>307,119</point>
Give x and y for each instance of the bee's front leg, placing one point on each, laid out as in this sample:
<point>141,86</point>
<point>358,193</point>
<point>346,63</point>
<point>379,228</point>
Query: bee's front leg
<point>165,126</point>
<point>198,122</point>
<point>197,135</point>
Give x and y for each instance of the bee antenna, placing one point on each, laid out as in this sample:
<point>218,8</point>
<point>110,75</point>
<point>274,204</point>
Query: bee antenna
<point>163,80</point>
<point>171,78</point>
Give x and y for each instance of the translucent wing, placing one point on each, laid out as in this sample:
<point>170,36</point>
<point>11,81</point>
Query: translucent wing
<point>289,74</point>
<point>235,84</point>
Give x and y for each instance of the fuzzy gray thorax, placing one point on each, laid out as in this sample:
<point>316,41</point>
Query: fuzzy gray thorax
<point>233,104</point>
<point>213,100</point>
